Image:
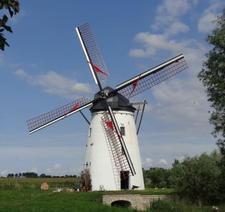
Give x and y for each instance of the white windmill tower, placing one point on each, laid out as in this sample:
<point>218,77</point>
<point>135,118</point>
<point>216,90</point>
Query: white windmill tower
<point>112,151</point>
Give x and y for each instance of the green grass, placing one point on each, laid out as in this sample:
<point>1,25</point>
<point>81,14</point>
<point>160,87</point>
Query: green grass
<point>35,200</point>
<point>25,195</point>
<point>148,191</point>
<point>21,183</point>
<point>170,206</point>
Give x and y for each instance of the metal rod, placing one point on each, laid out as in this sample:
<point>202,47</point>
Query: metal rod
<point>136,118</point>
<point>149,71</point>
<point>142,113</point>
<point>62,117</point>
<point>88,59</point>
<point>85,118</point>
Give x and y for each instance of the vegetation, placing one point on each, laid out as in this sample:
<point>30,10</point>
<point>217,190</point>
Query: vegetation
<point>172,206</point>
<point>12,6</point>
<point>35,175</point>
<point>24,194</point>
<point>36,200</point>
<point>35,183</point>
<point>157,178</point>
<point>195,179</point>
<point>213,78</point>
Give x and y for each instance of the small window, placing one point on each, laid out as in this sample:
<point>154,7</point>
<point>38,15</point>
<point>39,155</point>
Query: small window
<point>122,130</point>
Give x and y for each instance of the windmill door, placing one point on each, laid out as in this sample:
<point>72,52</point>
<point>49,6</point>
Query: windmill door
<point>124,179</point>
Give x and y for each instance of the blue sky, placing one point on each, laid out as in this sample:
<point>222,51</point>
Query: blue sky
<point>45,68</point>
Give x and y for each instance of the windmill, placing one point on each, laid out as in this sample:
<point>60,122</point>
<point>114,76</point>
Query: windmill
<point>112,151</point>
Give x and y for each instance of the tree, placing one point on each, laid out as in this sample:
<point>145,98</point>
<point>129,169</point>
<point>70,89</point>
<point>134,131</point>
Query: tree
<point>10,175</point>
<point>213,78</point>
<point>197,179</point>
<point>13,8</point>
<point>157,177</point>
<point>30,174</point>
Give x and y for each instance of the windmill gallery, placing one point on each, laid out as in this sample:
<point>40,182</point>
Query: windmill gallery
<point>112,152</point>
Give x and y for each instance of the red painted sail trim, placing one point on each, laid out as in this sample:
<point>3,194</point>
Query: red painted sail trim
<point>75,107</point>
<point>134,85</point>
<point>98,70</point>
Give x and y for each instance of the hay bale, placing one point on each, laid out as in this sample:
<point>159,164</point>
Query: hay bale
<point>44,186</point>
<point>69,190</point>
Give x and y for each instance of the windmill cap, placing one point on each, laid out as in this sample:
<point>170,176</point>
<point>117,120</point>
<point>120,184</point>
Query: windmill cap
<point>115,100</point>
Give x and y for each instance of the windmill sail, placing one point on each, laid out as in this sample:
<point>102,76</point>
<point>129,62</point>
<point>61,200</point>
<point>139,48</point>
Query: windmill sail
<point>55,115</point>
<point>92,53</point>
<point>152,77</point>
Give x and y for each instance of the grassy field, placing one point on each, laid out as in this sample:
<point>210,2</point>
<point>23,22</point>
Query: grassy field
<point>25,195</point>
<point>35,183</point>
<point>35,200</point>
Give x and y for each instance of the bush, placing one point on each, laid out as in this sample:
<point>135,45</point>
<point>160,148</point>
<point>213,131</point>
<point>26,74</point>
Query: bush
<point>164,206</point>
<point>157,178</point>
<point>197,179</point>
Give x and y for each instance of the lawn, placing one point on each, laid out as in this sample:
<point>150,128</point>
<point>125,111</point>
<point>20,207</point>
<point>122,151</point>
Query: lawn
<point>36,200</point>
<point>25,195</point>
<point>35,183</point>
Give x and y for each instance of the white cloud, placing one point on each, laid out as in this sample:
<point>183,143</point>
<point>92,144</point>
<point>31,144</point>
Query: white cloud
<point>179,107</point>
<point>57,160</point>
<point>57,166</point>
<point>151,43</point>
<point>169,9</point>
<point>168,16</point>
<point>54,83</point>
<point>170,145</point>
<point>177,8</point>
<point>4,173</point>
<point>34,169</point>
<point>177,27</point>
<point>163,162</point>
<point>137,53</point>
<point>207,21</point>
<point>182,103</point>
<point>59,170</point>
<point>147,162</point>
